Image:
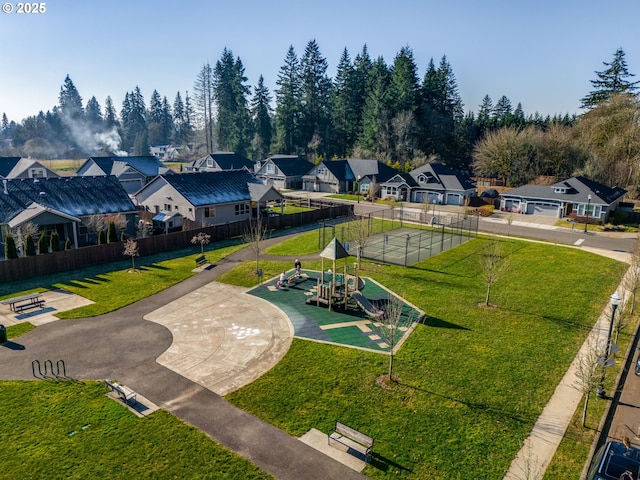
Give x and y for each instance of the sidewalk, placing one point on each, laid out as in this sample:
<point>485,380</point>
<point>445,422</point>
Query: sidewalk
<point>538,449</point>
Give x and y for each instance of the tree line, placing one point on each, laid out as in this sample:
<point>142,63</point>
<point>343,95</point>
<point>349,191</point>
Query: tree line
<point>370,109</point>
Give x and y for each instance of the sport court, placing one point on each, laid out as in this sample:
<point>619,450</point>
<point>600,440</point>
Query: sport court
<point>408,246</point>
<point>349,326</point>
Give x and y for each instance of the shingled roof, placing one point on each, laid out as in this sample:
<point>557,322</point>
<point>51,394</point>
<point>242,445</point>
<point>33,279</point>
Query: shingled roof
<point>211,188</point>
<point>576,189</point>
<point>148,166</point>
<point>75,196</point>
<point>225,160</point>
<point>444,178</point>
<point>291,165</point>
<point>7,164</point>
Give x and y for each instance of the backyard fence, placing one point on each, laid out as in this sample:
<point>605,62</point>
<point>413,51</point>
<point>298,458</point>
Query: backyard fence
<point>57,262</point>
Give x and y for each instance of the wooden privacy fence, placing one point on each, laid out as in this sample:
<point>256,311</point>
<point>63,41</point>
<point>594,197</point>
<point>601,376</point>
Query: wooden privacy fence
<point>57,262</point>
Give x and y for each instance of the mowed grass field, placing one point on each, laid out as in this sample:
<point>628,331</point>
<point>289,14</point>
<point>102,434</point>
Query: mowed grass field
<point>472,380</point>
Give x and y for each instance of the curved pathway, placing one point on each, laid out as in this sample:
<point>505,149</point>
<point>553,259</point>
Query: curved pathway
<point>123,345</point>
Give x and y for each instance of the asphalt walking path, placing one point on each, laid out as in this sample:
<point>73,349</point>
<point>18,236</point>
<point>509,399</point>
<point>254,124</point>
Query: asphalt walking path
<point>125,346</point>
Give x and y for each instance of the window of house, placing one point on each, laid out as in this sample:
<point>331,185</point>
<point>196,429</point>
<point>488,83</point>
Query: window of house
<point>167,207</point>
<point>209,212</point>
<point>156,208</point>
<point>209,162</point>
<point>242,209</point>
<point>422,179</point>
<point>322,171</point>
<point>176,207</point>
<point>560,190</point>
<point>270,168</point>
<point>37,172</point>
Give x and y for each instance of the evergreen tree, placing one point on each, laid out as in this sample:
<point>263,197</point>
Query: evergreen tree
<point>54,241</point>
<point>93,115</point>
<point>288,106</point>
<point>183,129</point>
<point>5,121</point>
<point>110,115</point>
<point>404,86</point>
<point>261,113</point>
<point>485,115</point>
<point>102,237</point>
<point>346,112</point>
<point>29,246</point>
<point>203,94</point>
<point>503,113</point>
<point>112,233</point>
<point>43,244</point>
<point>10,250</point>
<point>155,119</point>
<point>376,121</point>
<point>68,244</point>
<point>315,101</point>
<point>610,81</point>
<point>230,94</point>
<point>70,102</point>
<point>134,123</point>
<point>166,124</point>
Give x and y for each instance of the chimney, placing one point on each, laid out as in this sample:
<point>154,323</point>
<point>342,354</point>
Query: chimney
<point>4,184</point>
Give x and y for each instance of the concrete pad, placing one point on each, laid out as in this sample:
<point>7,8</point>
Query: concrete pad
<point>55,301</point>
<point>320,441</point>
<point>141,407</point>
<point>223,338</point>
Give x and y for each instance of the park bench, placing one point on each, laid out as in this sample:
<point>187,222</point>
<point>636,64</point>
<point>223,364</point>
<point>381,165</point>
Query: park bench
<point>201,260</point>
<point>126,394</point>
<point>24,302</point>
<point>352,439</point>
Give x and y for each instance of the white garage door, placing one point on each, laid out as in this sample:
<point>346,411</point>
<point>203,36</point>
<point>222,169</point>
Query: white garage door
<point>545,209</point>
<point>454,199</point>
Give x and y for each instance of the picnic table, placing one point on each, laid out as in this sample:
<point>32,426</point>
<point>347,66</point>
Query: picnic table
<point>24,302</point>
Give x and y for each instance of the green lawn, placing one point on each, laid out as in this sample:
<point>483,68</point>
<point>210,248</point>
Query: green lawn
<point>116,285</point>
<point>71,430</point>
<point>472,380</point>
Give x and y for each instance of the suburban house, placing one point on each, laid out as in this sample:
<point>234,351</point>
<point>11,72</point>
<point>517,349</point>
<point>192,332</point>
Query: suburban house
<point>430,183</point>
<point>64,204</point>
<point>341,176</point>
<point>132,172</point>
<point>165,153</point>
<point>283,171</point>
<point>17,167</point>
<point>576,195</point>
<point>209,198</point>
<point>216,161</point>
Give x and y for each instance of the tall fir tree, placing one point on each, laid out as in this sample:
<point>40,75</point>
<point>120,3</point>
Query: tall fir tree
<point>376,120</point>
<point>134,123</point>
<point>288,106</point>
<point>110,115</point>
<point>612,80</point>
<point>261,115</point>
<point>93,115</point>
<point>347,109</point>
<point>154,115</point>
<point>315,101</point>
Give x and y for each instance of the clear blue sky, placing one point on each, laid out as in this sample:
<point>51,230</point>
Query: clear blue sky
<point>540,53</point>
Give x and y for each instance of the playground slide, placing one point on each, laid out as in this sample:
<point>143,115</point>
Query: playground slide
<point>366,305</point>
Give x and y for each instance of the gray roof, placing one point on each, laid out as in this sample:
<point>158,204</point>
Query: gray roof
<point>225,160</point>
<point>211,188</point>
<point>371,168</point>
<point>291,165</point>
<point>442,177</point>
<point>334,250</point>
<point>148,166</point>
<point>578,190</point>
<point>74,196</point>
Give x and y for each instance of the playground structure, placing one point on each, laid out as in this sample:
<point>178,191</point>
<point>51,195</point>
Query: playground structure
<point>335,290</point>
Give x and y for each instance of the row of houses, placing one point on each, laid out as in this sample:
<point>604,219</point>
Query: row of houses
<point>224,187</point>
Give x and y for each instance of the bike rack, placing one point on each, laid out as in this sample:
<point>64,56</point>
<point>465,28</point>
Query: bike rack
<point>48,366</point>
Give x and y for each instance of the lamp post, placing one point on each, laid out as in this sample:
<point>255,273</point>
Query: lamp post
<point>586,222</point>
<point>358,188</point>
<point>615,301</point>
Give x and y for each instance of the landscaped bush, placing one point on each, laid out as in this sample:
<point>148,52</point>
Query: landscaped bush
<point>486,210</point>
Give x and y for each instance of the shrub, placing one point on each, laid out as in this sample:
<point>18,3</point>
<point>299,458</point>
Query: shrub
<point>112,234</point>
<point>54,242</point>
<point>67,244</point>
<point>486,210</point>
<point>29,246</point>
<point>10,250</point>
<point>102,237</point>
<point>43,245</point>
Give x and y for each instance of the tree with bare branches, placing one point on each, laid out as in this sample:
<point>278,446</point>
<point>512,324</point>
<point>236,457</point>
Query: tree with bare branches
<point>390,325</point>
<point>588,372</point>
<point>632,278</point>
<point>202,239</point>
<point>493,266</point>
<point>253,236</point>
<point>21,232</point>
<point>131,249</point>
<point>359,234</point>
